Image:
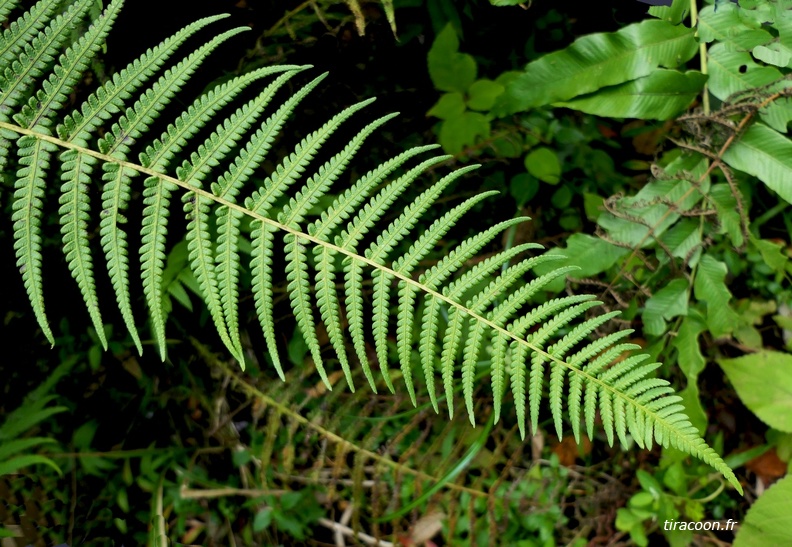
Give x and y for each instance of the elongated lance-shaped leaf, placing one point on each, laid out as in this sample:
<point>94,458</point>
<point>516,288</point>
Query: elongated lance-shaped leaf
<point>341,209</point>
<point>36,58</point>
<point>113,239</point>
<point>34,156</point>
<point>499,315</point>
<point>379,250</point>
<point>261,268</point>
<point>158,156</point>
<point>353,278</point>
<point>115,193</point>
<point>405,265</point>
<point>201,258</point>
<point>436,275</point>
<point>290,169</point>
<point>109,99</point>
<point>293,214</point>
<point>42,109</point>
<point>74,216</point>
<point>576,381</point>
<point>24,29</point>
<point>455,290</point>
<point>299,295</point>
<point>156,197</point>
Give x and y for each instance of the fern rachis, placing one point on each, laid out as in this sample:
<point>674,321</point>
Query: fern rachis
<point>489,305</point>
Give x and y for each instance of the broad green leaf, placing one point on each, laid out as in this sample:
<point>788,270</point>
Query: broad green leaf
<point>662,95</point>
<point>683,240</point>
<point>449,69</point>
<point>450,105</point>
<point>460,131</point>
<point>669,302</point>
<point>772,253</point>
<point>773,54</point>
<point>649,204</point>
<point>732,71</point>
<point>482,94</point>
<point>691,362</point>
<point>590,254</point>
<point>769,520</point>
<point>543,164</point>
<point>710,287</point>
<point>728,215</point>
<point>763,381</point>
<point>727,27</point>
<point>778,114</point>
<point>596,61</point>
<point>765,154</point>
<point>674,13</point>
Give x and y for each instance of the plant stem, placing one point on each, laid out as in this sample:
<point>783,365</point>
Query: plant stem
<point>702,56</point>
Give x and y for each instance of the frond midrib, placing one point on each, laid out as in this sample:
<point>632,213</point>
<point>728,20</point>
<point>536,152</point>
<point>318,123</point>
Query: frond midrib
<point>362,259</point>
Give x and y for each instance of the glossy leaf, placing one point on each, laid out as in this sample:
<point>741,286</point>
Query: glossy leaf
<point>769,520</point>
<point>596,61</point>
<point>763,381</point>
<point>765,154</point>
<point>662,95</point>
<point>449,69</point>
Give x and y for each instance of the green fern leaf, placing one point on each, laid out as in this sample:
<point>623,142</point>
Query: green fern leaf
<point>483,316</point>
<point>29,190</point>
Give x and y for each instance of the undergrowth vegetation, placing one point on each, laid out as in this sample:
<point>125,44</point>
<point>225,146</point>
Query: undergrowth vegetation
<point>349,341</point>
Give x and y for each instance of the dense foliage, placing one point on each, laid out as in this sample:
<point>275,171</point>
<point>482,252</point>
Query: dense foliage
<point>652,156</point>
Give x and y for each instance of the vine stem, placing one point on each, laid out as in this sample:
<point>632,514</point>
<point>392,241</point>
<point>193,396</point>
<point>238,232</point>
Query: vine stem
<point>705,99</point>
<point>715,163</point>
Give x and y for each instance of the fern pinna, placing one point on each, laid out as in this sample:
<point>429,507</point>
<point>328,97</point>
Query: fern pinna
<point>465,313</point>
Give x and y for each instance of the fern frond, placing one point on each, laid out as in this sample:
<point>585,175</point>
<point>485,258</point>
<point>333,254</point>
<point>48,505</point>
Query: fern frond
<point>494,325</point>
